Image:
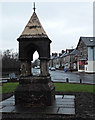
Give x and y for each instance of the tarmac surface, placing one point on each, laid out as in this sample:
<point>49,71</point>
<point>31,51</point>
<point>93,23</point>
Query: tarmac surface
<point>61,76</point>
<point>73,77</point>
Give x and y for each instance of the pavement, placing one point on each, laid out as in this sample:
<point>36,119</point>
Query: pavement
<point>64,105</point>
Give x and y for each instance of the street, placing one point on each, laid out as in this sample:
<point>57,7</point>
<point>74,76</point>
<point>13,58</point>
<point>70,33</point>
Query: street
<point>61,76</point>
<point>74,77</point>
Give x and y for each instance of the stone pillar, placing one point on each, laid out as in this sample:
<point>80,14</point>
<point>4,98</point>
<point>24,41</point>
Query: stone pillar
<point>44,67</point>
<point>25,68</point>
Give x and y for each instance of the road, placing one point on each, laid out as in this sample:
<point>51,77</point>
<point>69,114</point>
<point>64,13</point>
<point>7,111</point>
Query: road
<point>74,77</point>
<point>61,76</point>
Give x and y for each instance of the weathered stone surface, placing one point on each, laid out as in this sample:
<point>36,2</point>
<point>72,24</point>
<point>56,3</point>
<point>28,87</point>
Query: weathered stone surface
<point>35,91</point>
<point>59,96</point>
<point>44,71</point>
<point>7,109</point>
<point>66,111</point>
<point>25,68</point>
<point>69,96</point>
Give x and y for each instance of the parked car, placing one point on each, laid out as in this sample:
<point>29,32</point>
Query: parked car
<point>49,68</point>
<point>38,67</point>
<point>12,76</point>
<point>53,69</point>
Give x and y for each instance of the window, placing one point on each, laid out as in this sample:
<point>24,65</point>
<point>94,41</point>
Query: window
<point>82,65</point>
<point>80,52</point>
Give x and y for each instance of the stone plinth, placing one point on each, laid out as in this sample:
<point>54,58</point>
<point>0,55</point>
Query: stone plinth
<point>34,91</point>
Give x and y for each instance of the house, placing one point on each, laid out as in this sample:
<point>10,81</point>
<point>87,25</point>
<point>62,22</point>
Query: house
<point>73,60</point>
<point>66,59</point>
<point>86,54</point>
<point>52,62</point>
<point>55,60</point>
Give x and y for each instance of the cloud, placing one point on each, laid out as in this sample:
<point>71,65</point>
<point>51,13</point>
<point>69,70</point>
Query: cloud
<point>64,23</point>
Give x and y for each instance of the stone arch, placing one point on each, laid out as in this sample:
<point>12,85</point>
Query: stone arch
<point>29,50</point>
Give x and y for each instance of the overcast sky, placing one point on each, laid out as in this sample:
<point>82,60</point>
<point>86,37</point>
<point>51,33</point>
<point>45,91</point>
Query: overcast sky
<point>64,22</point>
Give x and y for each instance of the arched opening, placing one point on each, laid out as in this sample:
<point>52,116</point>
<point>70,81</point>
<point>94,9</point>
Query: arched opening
<point>35,64</point>
<point>28,55</point>
<point>35,56</point>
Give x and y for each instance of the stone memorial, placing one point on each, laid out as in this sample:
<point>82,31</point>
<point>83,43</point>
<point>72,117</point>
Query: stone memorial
<point>35,97</point>
<point>34,90</point>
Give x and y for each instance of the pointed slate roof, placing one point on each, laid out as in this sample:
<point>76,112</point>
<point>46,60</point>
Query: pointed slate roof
<point>88,41</point>
<point>74,52</point>
<point>34,28</point>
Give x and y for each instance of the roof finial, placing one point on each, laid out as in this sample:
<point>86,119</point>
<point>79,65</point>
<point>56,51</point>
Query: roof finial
<point>34,7</point>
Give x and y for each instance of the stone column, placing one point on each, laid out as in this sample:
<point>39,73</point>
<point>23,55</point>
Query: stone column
<point>44,67</point>
<point>25,68</point>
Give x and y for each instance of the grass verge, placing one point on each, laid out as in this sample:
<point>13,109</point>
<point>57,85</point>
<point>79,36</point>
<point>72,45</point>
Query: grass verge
<point>69,87</point>
<point>9,87</point>
<point>62,87</point>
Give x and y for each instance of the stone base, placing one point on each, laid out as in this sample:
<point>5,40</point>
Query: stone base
<point>35,91</point>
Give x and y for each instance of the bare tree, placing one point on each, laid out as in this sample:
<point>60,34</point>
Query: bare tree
<point>10,61</point>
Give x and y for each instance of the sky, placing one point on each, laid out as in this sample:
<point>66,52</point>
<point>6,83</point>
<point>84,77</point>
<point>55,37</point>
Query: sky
<point>64,22</point>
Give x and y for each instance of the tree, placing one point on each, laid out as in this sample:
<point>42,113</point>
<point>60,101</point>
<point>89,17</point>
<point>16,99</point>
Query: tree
<point>10,61</point>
